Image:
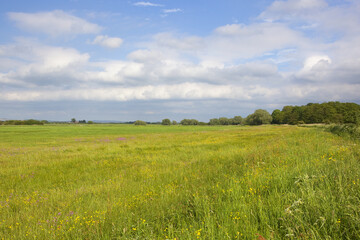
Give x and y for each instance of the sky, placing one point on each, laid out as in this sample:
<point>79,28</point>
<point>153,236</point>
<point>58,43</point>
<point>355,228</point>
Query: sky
<point>126,60</point>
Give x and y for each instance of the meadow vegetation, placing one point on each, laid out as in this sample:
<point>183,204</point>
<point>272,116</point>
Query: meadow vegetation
<point>177,182</point>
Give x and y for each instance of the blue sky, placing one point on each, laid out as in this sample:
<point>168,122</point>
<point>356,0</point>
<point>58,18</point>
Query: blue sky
<point>149,60</point>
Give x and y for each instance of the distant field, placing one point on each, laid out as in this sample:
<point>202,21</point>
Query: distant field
<point>177,182</point>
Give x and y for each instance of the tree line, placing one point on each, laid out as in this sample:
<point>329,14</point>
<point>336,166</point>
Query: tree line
<point>23,122</point>
<point>39,122</point>
<point>259,117</point>
<point>329,112</point>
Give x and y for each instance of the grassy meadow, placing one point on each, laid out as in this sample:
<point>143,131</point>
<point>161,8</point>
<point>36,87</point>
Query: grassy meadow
<point>177,182</point>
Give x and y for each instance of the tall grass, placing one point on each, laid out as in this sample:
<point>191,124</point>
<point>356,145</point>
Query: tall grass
<point>160,182</point>
<point>345,130</point>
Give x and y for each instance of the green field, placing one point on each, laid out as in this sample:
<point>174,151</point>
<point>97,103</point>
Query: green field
<point>177,182</point>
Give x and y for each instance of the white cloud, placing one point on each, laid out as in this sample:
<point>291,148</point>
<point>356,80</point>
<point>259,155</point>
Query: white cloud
<point>109,42</point>
<point>160,92</point>
<point>321,93</point>
<point>296,5</point>
<point>53,23</point>
<point>145,56</point>
<point>173,10</point>
<point>42,65</point>
<point>316,68</point>
<point>274,61</point>
<point>170,41</point>
<point>191,91</point>
<point>237,41</point>
<point>316,15</point>
<point>230,29</point>
<point>292,8</point>
<point>147,4</point>
<point>314,62</point>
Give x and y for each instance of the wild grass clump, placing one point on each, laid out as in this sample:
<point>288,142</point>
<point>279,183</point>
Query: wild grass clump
<point>346,130</point>
<point>178,182</point>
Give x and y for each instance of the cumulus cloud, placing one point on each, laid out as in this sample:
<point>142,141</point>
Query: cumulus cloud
<point>160,92</point>
<point>192,91</point>
<point>314,62</point>
<point>109,42</point>
<point>238,41</point>
<point>42,65</point>
<point>316,68</point>
<point>331,53</point>
<point>53,23</point>
<point>147,4</point>
<point>263,61</point>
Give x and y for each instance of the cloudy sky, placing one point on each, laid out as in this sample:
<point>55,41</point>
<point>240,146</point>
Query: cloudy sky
<point>149,60</point>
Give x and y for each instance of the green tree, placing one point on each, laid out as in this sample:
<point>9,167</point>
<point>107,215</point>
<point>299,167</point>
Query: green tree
<point>174,122</point>
<point>166,121</point>
<point>189,122</point>
<point>237,120</point>
<point>295,115</point>
<point>73,120</point>
<point>277,117</point>
<point>139,122</point>
<point>185,122</point>
<point>214,121</point>
<point>224,121</point>
<point>259,117</point>
<point>286,111</point>
<point>316,113</point>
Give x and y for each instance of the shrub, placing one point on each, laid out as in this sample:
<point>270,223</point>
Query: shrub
<point>139,122</point>
<point>260,116</point>
<point>166,121</point>
<point>189,122</point>
<point>346,130</point>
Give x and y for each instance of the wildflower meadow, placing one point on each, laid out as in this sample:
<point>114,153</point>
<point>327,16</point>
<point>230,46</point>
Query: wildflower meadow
<point>106,181</point>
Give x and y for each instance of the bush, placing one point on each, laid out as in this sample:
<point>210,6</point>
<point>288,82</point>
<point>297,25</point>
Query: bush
<point>327,121</point>
<point>189,122</point>
<point>346,130</point>
<point>259,117</point>
<point>139,123</point>
<point>166,121</point>
<point>237,120</point>
<point>23,122</point>
<point>214,121</point>
<point>300,122</point>
<point>32,122</point>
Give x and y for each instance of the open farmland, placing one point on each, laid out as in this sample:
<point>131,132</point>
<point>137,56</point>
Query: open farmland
<point>177,182</point>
